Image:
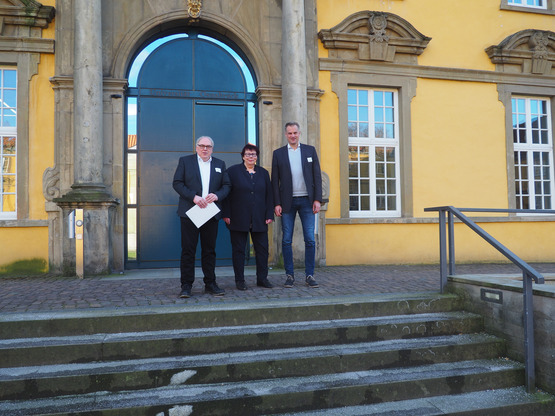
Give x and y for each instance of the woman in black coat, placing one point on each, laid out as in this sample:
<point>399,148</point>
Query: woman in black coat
<point>249,208</point>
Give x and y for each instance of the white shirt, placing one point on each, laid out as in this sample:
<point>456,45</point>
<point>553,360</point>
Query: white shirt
<point>204,174</point>
<point>296,164</point>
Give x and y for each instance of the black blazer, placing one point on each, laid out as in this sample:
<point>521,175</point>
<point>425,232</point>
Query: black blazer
<point>250,200</point>
<point>282,181</point>
<point>187,182</point>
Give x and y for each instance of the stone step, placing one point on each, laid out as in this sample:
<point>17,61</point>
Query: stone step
<point>513,401</point>
<point>255,397</point>
<point>152,344</point>
<point>34,325</point>
<point>46,381</point>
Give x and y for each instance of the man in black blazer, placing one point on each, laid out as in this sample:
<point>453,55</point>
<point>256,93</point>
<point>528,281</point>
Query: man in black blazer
<point>297,187</point>
<point>200,179</point>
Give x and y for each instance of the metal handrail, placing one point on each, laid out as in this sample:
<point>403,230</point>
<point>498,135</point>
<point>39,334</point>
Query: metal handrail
<point>528,273</point>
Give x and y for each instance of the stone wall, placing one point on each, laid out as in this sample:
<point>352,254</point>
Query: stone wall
<point>503,316</point>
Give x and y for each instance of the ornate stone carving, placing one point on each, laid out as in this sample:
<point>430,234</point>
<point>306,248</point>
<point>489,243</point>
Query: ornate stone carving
<point>194,8</point>
<point>374,36</point>
<point>50,183</point>
<point>21,24</point>
<point>528,51</point>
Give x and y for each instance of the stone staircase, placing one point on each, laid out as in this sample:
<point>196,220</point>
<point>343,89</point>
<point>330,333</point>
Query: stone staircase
<point>414,355</point>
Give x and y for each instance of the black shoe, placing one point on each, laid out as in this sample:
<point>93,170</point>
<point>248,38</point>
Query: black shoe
<point>311,282</point>
<point>241,285</point>
<point>289,281</point>
<point>213,289</point>
<point>264,283</point>
<point>185,292</point>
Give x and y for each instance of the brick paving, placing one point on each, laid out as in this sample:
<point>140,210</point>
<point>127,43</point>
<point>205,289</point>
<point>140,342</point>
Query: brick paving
<point>151,288</point>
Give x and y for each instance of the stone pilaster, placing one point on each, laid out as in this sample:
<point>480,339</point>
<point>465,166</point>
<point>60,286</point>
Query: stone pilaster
<point>89,191</point>
<point>293,64</point>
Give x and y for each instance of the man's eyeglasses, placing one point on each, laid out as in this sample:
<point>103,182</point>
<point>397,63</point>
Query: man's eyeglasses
<point>205,146</point>
<point>250,155</point>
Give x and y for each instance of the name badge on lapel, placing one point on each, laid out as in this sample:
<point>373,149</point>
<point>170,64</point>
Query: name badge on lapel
<point>218,170</point>
<point>309,159</point>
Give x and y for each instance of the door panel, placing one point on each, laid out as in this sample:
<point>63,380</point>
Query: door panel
<point>171,115</point>
<point>166,124</point>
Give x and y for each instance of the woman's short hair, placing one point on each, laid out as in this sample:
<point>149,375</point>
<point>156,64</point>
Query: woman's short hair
<point>250,146</point>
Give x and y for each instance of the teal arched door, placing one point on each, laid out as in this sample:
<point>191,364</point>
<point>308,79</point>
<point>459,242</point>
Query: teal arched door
<point>187,87</point>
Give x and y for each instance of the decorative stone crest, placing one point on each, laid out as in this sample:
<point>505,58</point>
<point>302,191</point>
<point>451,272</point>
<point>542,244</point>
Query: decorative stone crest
<point>194,8</point>
<point>374,36</point>
<point>528,51</point>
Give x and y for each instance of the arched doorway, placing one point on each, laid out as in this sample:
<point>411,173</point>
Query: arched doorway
<point>180,87</point>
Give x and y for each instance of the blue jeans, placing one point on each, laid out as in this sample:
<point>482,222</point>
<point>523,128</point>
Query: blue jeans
<point>303,206</point>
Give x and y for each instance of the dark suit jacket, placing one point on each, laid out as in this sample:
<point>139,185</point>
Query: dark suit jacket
<point>282,181</point>
<point>187,182</point>
<point>250,200</point>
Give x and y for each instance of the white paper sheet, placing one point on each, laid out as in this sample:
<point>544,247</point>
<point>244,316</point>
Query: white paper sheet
<point>200,215</point>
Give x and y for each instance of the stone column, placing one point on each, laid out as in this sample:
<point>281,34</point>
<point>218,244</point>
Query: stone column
<point>87,89</point>
<point>89,191</point>
<point>293,64</point>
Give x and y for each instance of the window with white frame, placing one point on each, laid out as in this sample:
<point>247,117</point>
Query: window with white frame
<point>533,152</point>
<point>536,4</point>
<point>8,143</point>
<point>374,165</point>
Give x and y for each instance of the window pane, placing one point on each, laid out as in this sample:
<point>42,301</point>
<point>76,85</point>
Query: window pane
<point>391,203</point>
<point>131,234</point>
<point>8,164</point>
<point>380,170</point>
<point>365,187</point>
<point>364,156</point>
<point>8,145</point>
<point>9,99</point>
<point>380,187</point>
<point>363,97</point>
<point>131,178</point>
<point>353,203</point>
<point>363,130</point>
<point>10,78</point>
<point>364,170</point>
<point>365,203</point>
<point>389,131</point>
<point>353,170</point>
<point>8,203</point>
<point>8,120</point>
<point>352,96</point>
<point>353,186</point>
<point>378,98</point>
<point>389,99</point>
<point>352,112</point>
<point>378,114</point>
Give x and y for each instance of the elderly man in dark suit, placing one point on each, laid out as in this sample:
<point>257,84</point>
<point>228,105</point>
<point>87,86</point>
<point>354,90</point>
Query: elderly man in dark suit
<point>297,186</point>
<point>200,179</point>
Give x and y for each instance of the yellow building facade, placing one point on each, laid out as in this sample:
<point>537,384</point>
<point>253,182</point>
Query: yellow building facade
<point>454,125</point>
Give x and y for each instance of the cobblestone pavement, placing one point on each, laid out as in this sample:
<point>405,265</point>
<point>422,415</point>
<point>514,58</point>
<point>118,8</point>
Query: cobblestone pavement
<point>137,288</point>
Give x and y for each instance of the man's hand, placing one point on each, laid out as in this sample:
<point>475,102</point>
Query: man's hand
<point>316,207</point>
<point>277,210</point>
<point>211,198</point>
<point>203,202</point>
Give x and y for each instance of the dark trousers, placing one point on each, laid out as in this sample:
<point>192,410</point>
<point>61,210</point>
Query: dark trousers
<point>189,239</point>
<point>238,245</point>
